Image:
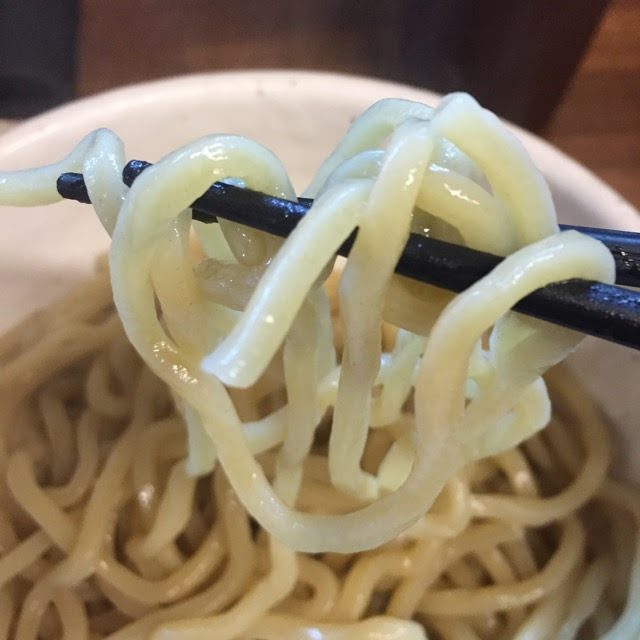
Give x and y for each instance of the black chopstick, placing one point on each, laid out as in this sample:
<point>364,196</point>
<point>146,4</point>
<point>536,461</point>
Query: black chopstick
<point>279,217</point>
<point>601,310</point>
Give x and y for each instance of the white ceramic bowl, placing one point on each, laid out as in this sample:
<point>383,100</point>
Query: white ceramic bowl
<point>300,116</point>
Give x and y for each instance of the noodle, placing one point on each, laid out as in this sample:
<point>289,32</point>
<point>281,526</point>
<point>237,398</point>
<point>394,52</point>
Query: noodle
<point>224,435</point>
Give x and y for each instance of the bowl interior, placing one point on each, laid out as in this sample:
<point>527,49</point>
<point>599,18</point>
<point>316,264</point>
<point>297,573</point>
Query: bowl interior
<point>300,116</point>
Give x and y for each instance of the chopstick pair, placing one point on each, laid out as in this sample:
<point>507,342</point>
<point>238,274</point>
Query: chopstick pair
<point>606,311</point>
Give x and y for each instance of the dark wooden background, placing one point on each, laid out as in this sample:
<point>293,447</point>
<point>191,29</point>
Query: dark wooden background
<point>125,41</point>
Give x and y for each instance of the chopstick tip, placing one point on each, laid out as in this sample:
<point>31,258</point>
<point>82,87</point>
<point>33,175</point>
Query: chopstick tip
<point>71,186</point>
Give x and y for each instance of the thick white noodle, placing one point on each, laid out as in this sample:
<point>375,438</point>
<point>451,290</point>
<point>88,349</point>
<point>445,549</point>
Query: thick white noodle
<point>472,398</point>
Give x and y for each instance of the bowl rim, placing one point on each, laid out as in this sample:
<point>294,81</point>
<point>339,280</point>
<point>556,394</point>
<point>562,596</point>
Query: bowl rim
<point>549,157</point>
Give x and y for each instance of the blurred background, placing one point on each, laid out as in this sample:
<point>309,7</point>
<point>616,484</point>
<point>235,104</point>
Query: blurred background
<point>566,69</point>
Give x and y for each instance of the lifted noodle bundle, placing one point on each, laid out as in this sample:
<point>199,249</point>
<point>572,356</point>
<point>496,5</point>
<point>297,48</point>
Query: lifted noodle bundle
<point>357,457</point>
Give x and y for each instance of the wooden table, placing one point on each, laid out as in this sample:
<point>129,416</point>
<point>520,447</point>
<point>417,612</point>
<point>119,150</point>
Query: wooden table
<point>126,41</point>
<point>598,122</point>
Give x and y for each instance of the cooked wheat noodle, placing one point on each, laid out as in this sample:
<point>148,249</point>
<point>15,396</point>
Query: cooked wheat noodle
<point>251,444</point>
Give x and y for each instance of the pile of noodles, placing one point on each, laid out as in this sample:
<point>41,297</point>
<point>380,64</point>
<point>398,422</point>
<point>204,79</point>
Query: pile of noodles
<point>252,444</point>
